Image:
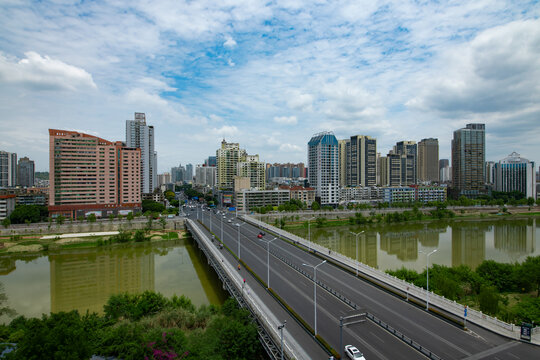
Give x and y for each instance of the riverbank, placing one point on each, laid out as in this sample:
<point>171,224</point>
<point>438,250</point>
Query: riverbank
<point>36,243</point>
<point>398,216</point>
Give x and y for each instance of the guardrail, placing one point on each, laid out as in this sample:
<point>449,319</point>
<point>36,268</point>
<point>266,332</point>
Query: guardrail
<point>452,307</point>
<point>248,298</point>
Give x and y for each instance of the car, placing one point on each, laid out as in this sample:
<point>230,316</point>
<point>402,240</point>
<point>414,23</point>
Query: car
<point>259,236</point>
<point>230,221</point>
<point>353,353</point>
<point>262,233</point>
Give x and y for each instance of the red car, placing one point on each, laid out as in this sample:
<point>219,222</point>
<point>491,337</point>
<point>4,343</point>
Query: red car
<point>259,236</point>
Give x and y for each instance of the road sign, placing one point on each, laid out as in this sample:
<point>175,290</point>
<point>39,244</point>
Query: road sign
<point>465,311</point>
<point>526,331</point>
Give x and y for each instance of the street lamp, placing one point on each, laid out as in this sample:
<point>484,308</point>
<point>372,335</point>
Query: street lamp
<point>268,262</point>
<point>315,289</point>
<point>356,234</point>
<point>239,239</point>
<point>280,328</point>
<point>427,275</point>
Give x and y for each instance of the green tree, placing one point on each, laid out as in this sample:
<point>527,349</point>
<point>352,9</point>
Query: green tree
<point>162,222</point>
<point>129,217</point>
<point>91,218</point>
<point>315,206</point>
<point>111,217</point>
<point>530,272</point>
<point>34,213</point>
<point>152,206</point>
<point>60,219</point>
<point>139,236</point>
<point>488,299</point>
<point>6,222</point>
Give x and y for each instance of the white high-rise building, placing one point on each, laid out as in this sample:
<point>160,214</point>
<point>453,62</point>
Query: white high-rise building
<point>205,175</point>
<point>515,173</point>
<point>140,135</point>
<point>323,167</point>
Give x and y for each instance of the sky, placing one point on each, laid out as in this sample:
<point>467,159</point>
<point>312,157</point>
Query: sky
<point>270,74</point>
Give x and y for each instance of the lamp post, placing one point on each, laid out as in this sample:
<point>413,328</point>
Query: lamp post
<point>238,224</point>
<point>222,227</point>
<point>315,289</point>
<point>427,275</point>
<point>280,328</point>
<point>268,262</point>
<point>356,235</point>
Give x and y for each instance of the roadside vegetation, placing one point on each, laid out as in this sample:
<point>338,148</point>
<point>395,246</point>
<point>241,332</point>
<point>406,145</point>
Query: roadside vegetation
<point>141,326</point>
<point>508,291</point>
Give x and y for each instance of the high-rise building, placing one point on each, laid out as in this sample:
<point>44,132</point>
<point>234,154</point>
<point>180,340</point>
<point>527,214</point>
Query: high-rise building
<point>468,159</point>
<point>25,172</point>
<point>254,170</point>
<point>88,174</point>
<point>444,170</point>
<point>515,173</point>
<point>139,135</point>
<point>211,161</point>
<point>8,169</point>
<point>164,178</point>
<point>205,175</point>
<point>227,158</point>
<point>409,164</point>
<point>490,172</point>
<point>323,167</point>
<point>382,171</point>
<point>287,170</point>
<point>428,160</point>
<point>342,145</point>
<point>361,161</point>
<point>178,174</point>
<point>189,173</point>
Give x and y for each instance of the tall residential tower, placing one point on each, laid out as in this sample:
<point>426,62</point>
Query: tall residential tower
<point>140,135</point>
<point>428,160</point>
<point>468,159</point>
<point>323,167</point>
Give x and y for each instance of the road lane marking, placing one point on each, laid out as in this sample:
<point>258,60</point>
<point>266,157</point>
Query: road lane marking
<point>494,350</point>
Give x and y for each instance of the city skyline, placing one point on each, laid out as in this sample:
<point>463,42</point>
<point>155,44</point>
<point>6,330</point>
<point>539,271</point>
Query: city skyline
<point>269,75</point>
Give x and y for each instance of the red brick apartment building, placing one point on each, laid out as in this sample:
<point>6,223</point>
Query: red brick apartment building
<point>88,175</point>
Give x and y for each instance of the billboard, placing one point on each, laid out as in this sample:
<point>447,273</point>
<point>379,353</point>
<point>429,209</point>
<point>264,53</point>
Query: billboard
<point>124,212</point>
<point>96,213</point>
<point>227,198</point>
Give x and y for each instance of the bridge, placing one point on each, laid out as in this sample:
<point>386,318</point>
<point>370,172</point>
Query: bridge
<point>319,293</point>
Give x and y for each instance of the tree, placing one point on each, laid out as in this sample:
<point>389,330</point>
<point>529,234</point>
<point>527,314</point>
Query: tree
<point>34,213</point>
<point>162,222</point>
<point>60,219</point>
<point>111,217</point>
<point>91,218</point>
<point>488,300</point>
<point>315,206</point>
<point>6,222</point>
<point>530,201</point>
<point>530,272</point>
<point>152,206</point>
<point>129,217</point>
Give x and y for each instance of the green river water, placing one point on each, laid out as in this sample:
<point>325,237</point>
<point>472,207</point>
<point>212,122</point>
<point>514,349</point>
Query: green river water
<point>83,279</point>
<point>459,242</point>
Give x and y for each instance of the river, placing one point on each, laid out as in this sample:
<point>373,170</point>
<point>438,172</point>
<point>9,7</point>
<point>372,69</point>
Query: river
<point>458,242</point>
<point>84,278</point>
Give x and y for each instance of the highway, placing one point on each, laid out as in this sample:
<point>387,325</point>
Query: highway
<point>444,339</point>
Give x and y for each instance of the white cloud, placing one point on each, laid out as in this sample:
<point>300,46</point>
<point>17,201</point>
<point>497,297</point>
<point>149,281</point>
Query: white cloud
<point>229,42</point>
<point>290,148</point>
<point>286,120</point>
<point>43,73</point>
<point>226,131</point>
<point>143,98</point>
<point>301,102</point>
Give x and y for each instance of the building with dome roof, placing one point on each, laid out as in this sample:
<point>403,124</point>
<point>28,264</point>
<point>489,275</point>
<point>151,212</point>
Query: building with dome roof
<point>515,173</point>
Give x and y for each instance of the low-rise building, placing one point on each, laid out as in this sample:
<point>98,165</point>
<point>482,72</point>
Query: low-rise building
<point>304,194</point>
<point>399,194</point>
<point>247,200</point>
<point>414,193</point>
<point>7,205</point>
<point>360,194</point>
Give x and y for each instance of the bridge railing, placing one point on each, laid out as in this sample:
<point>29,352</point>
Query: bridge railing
<point>452,307</point>
<point>256,305</point>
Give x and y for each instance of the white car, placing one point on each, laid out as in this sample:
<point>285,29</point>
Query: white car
<point>353,353</point>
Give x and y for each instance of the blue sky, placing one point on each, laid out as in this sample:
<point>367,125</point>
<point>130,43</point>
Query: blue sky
<point>269,74</point>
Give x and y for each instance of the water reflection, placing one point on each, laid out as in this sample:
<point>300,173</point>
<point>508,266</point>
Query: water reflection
<point>86,279</point>
<point>391,246</point>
